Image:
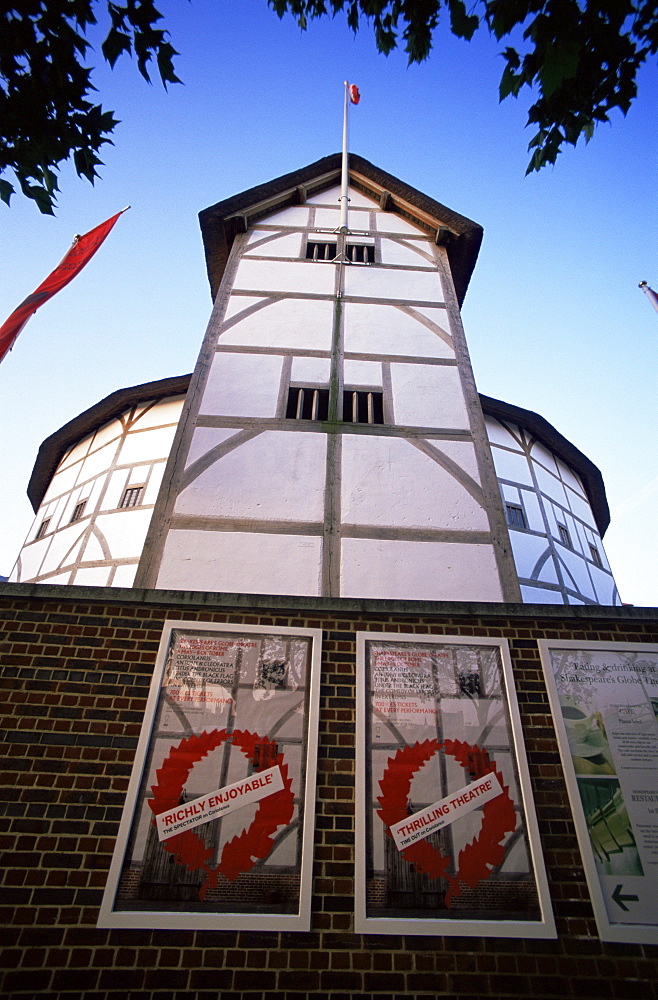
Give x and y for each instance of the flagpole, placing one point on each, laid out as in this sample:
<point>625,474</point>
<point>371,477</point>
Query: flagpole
<point>344,178</point>
<point>650,294</point>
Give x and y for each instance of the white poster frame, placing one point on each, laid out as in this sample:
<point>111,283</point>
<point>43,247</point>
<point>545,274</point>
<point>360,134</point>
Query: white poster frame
<point>442,926</point>
<point>300,921</point>
<point>608,931</point>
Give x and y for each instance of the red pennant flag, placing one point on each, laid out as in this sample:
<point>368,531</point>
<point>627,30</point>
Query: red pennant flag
<point>83,249</point>
<point>353,91</point>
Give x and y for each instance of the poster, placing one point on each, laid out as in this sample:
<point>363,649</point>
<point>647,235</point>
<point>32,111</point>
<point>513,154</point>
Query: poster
<point>216,830</point>
<point>604,698</point>
<point>447,839</point>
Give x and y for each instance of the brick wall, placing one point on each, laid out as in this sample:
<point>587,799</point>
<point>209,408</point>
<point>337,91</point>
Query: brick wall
<point>75,667</point>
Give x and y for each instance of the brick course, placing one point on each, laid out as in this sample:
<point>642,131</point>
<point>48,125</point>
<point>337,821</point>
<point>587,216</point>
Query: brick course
<point>75,667</point>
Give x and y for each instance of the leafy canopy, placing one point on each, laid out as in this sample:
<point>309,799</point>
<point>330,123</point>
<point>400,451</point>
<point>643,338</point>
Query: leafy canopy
<point>46,114</point>
<point>581,56</point>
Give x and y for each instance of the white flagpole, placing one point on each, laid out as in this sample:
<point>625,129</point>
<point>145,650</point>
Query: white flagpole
<point>344,179</point>
<point>650,294</point>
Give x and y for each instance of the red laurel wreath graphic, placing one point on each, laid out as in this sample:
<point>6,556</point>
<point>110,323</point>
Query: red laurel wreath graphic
<point>242,852</point>
<point>477,859</point>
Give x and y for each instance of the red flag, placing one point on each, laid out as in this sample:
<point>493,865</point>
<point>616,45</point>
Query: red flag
<point>83,249</point>
<point>353,91</point>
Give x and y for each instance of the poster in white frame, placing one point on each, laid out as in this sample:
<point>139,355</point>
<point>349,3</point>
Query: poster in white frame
<point>604,699</point>
<point>447,836</point>
<point>217,828</point>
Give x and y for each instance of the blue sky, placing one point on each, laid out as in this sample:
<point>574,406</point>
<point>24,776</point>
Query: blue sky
<point>554,318</point>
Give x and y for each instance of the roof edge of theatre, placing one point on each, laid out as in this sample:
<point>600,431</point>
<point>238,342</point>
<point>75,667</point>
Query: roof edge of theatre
<point>55,446</point>
<point>221,222</point>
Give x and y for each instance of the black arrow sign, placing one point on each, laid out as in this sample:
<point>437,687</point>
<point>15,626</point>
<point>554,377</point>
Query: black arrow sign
<point>621,900</point>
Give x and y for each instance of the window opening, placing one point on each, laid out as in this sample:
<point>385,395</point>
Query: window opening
<point>360,253</point>
<point>43,528</point>
<point>132,497</point>
<point>307,404</point>
<point>515,516</point>
<point>596,556</point>
<point>363,406</point>
<point>320,250</point>
<point>565,537</point>
<point>78,511</point>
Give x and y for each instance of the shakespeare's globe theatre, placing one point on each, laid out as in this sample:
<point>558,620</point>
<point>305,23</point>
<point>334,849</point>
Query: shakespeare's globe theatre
<point>331,441</point>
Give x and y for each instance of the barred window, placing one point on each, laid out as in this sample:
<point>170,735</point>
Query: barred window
<point>565,537</point>
<point>360,253</point>
<point>515,516</point>
<point>78,511</point>
<point>132,497</point>
<point>43,528</point>
<point>363,406</point>
<point>307,403</point>
<point>596,556</point>
<point>320,250</point>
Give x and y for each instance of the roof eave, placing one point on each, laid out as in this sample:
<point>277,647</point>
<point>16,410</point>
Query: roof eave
<point>221,222</point>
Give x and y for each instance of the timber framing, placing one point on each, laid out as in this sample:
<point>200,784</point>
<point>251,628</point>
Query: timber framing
<point>55,446</point>
<point>222,222</point>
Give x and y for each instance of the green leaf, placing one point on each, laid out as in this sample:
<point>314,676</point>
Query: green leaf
<point>116,43</point>
<point>6,190</point>
<point>510,83</point>
<point>560,63</point>
<point>462,25</point>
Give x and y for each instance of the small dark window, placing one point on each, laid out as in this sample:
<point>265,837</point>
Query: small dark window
<point>515,516</point>
<point>363,407</point>
<point>43,528</point>
<point>565,537</point>
<point>360,253</point>
<point>307,404</point>
<point>132,497</point>
<point>320,250</point>
<point>596,556</point>
<point>78,511</point>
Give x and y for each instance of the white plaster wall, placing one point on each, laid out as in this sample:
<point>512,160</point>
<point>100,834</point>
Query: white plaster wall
<point>124,576</point>
<point>550,485</point>
<point>388,222</point>
<point>285,246</point>
<point>331,195</point>
<point>125,531</point>
<point>580,508</point>
<point>386,481</point>
<point>242,385</point>
<point>362,373</point>
<point>288,324</point>
<point>539,595</point>
<point>62,482</point>
<point>577,567</point>
<point>93,576</point>
<point>418,570</point>
<point>428,396</point>
<point>142,444</point>
<point>98,460</point>
<point>285,276</point>
<point>278,475</point>
<point>512,465</point>
<point>411,254</point>
<point>311,371</point>
<point>382,329</point>
<point>527,550</point>
<point>498,434</point>
<point>378,283</point>
<point>205,438</point>
<point>543,457</point>
<point>86,474</point>
<point>241,562</point>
